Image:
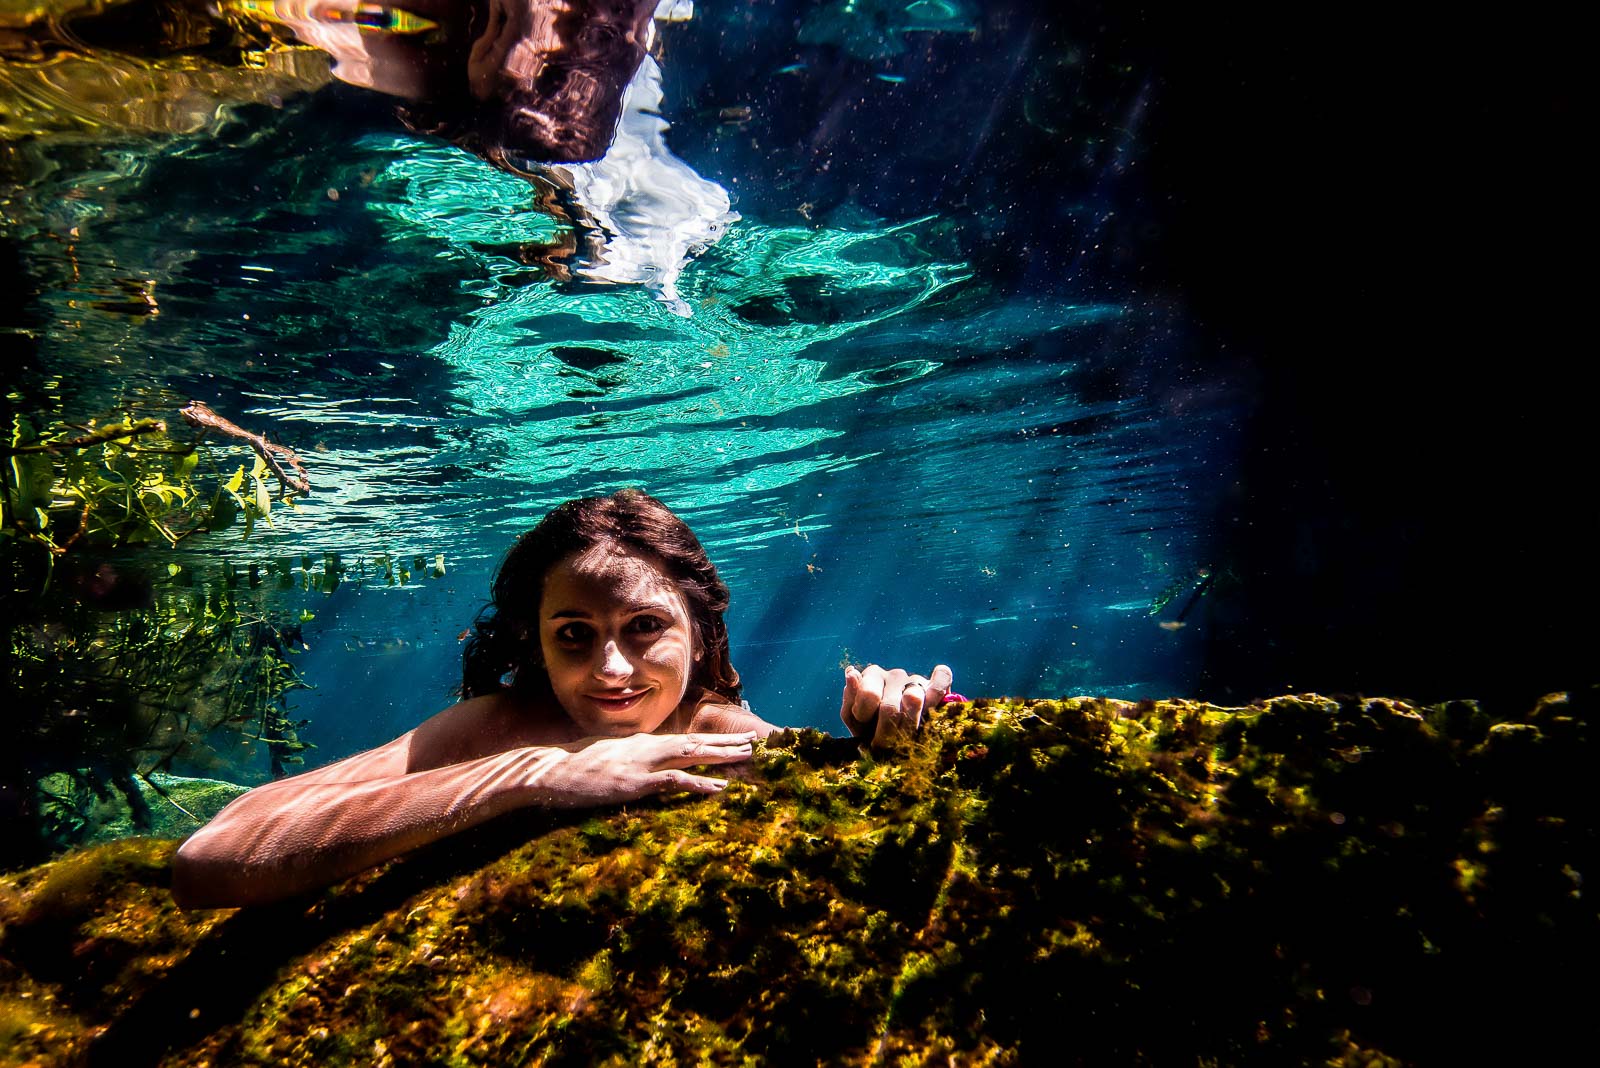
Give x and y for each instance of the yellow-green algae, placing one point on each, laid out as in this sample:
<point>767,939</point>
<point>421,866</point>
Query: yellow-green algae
<point>1305,881</point>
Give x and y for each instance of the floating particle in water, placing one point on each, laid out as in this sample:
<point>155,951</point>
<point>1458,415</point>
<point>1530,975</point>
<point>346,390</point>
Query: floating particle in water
<point>892,79</point>
<point>793,68</point>
<point>1172,625</point>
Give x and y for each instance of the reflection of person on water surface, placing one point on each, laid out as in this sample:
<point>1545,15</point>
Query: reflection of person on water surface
<point>539,79</point>
<point>522,82</point>
<point>601,676</point>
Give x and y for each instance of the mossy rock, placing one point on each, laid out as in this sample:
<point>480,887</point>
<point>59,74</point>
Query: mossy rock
<point>1304,881</point>
<point>174,806</point>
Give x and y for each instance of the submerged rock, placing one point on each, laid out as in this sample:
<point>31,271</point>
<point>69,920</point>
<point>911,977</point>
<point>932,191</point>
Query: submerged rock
<point>1308,880</point>
<point>171,806</point>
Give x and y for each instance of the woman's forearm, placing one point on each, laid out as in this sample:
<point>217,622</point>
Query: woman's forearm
<point>291,836</point>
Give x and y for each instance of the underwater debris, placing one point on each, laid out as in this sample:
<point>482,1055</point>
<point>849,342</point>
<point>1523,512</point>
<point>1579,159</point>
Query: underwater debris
<point>199,415</point>
<point>1084,880</point>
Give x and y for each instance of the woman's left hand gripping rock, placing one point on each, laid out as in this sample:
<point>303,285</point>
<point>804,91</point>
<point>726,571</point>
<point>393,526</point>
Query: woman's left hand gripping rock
<point>885,705</point>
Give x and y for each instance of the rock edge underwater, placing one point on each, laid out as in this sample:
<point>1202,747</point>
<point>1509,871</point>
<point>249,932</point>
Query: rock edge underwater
<point>1307,880</point>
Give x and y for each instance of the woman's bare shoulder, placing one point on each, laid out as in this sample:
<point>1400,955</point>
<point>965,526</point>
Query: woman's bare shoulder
<point>484,726</point>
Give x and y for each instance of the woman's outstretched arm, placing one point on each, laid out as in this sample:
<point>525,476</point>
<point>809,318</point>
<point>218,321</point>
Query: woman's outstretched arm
<point>295,835</point>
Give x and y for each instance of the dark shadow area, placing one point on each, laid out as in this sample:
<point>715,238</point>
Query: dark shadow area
<point>1374,219</point>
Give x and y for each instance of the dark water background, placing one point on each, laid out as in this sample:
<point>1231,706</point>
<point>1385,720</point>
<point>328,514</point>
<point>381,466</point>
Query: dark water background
<point>1085,303</point>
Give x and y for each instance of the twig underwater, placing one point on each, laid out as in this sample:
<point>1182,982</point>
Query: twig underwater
<point>200,415</point>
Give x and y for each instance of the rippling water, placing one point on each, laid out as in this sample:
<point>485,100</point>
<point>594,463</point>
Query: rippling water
<point>893,451</point>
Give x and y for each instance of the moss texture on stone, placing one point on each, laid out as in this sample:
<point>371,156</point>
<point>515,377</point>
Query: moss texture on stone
<point>174,806</point>
<point>1305,881</point>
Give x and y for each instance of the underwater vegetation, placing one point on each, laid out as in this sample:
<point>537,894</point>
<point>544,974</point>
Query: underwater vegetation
<point>1308,880</point>
<point>116,666</point>
<point>123,660</point>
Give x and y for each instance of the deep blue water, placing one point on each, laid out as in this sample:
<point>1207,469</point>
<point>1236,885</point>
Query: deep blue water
<point>957,385</point>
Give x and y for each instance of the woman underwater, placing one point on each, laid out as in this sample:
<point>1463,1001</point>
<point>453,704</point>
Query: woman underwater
<point>600,674</point>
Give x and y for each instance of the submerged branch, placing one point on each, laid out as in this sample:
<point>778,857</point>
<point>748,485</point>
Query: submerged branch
<point>114,432</point>
<point>198,414</point>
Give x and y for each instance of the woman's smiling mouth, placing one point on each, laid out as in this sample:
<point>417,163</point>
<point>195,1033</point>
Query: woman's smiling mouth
<point>618,700</point>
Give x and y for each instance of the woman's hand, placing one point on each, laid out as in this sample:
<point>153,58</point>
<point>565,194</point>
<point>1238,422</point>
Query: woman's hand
<point>729,719</point>
<point>887,704</point>
<point>606,771</point>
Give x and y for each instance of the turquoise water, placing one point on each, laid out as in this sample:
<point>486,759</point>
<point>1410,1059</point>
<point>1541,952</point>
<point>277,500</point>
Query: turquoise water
<point>897,444</point>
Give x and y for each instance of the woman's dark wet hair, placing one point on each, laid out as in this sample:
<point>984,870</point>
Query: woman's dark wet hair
<point>505,637</point>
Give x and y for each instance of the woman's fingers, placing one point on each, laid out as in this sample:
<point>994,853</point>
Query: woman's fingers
<point>904,720</point>
<point>729,719</point>
<point>890,703</point>
<point>852,686</point>
<point>894,718</point>
<point>869,695</point>
<point>894,684</point>
<point>687,750</point>
<point>668,782</point>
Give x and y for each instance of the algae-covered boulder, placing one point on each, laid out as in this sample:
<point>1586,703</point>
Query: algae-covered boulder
<point>170,806</point>
<point>1305,881</point>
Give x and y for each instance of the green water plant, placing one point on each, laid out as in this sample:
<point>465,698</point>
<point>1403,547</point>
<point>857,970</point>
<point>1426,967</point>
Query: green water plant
<point>105,698</point>
<point>116,662</point>
<point>128,482</point>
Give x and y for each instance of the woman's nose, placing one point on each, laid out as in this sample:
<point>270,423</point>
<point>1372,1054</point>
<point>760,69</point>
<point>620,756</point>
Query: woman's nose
<point>612,664</point>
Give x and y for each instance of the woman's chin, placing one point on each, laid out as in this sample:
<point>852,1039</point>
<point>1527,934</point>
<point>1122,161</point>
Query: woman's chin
<point>605,723</point>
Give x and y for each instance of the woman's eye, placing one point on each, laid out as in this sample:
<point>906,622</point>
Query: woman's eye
<point>648,625</point>
<point>572,633</point>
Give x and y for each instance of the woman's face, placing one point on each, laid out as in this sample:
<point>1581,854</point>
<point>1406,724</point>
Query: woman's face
<point>617,640</point>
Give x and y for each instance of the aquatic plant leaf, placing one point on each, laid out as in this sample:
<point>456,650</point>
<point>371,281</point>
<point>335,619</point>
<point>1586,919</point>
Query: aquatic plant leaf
<point>224,510</point>
<point>263,499</point>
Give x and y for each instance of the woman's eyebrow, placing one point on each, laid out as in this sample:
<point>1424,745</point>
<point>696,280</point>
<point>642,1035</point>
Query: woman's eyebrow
<point>661,604</point>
